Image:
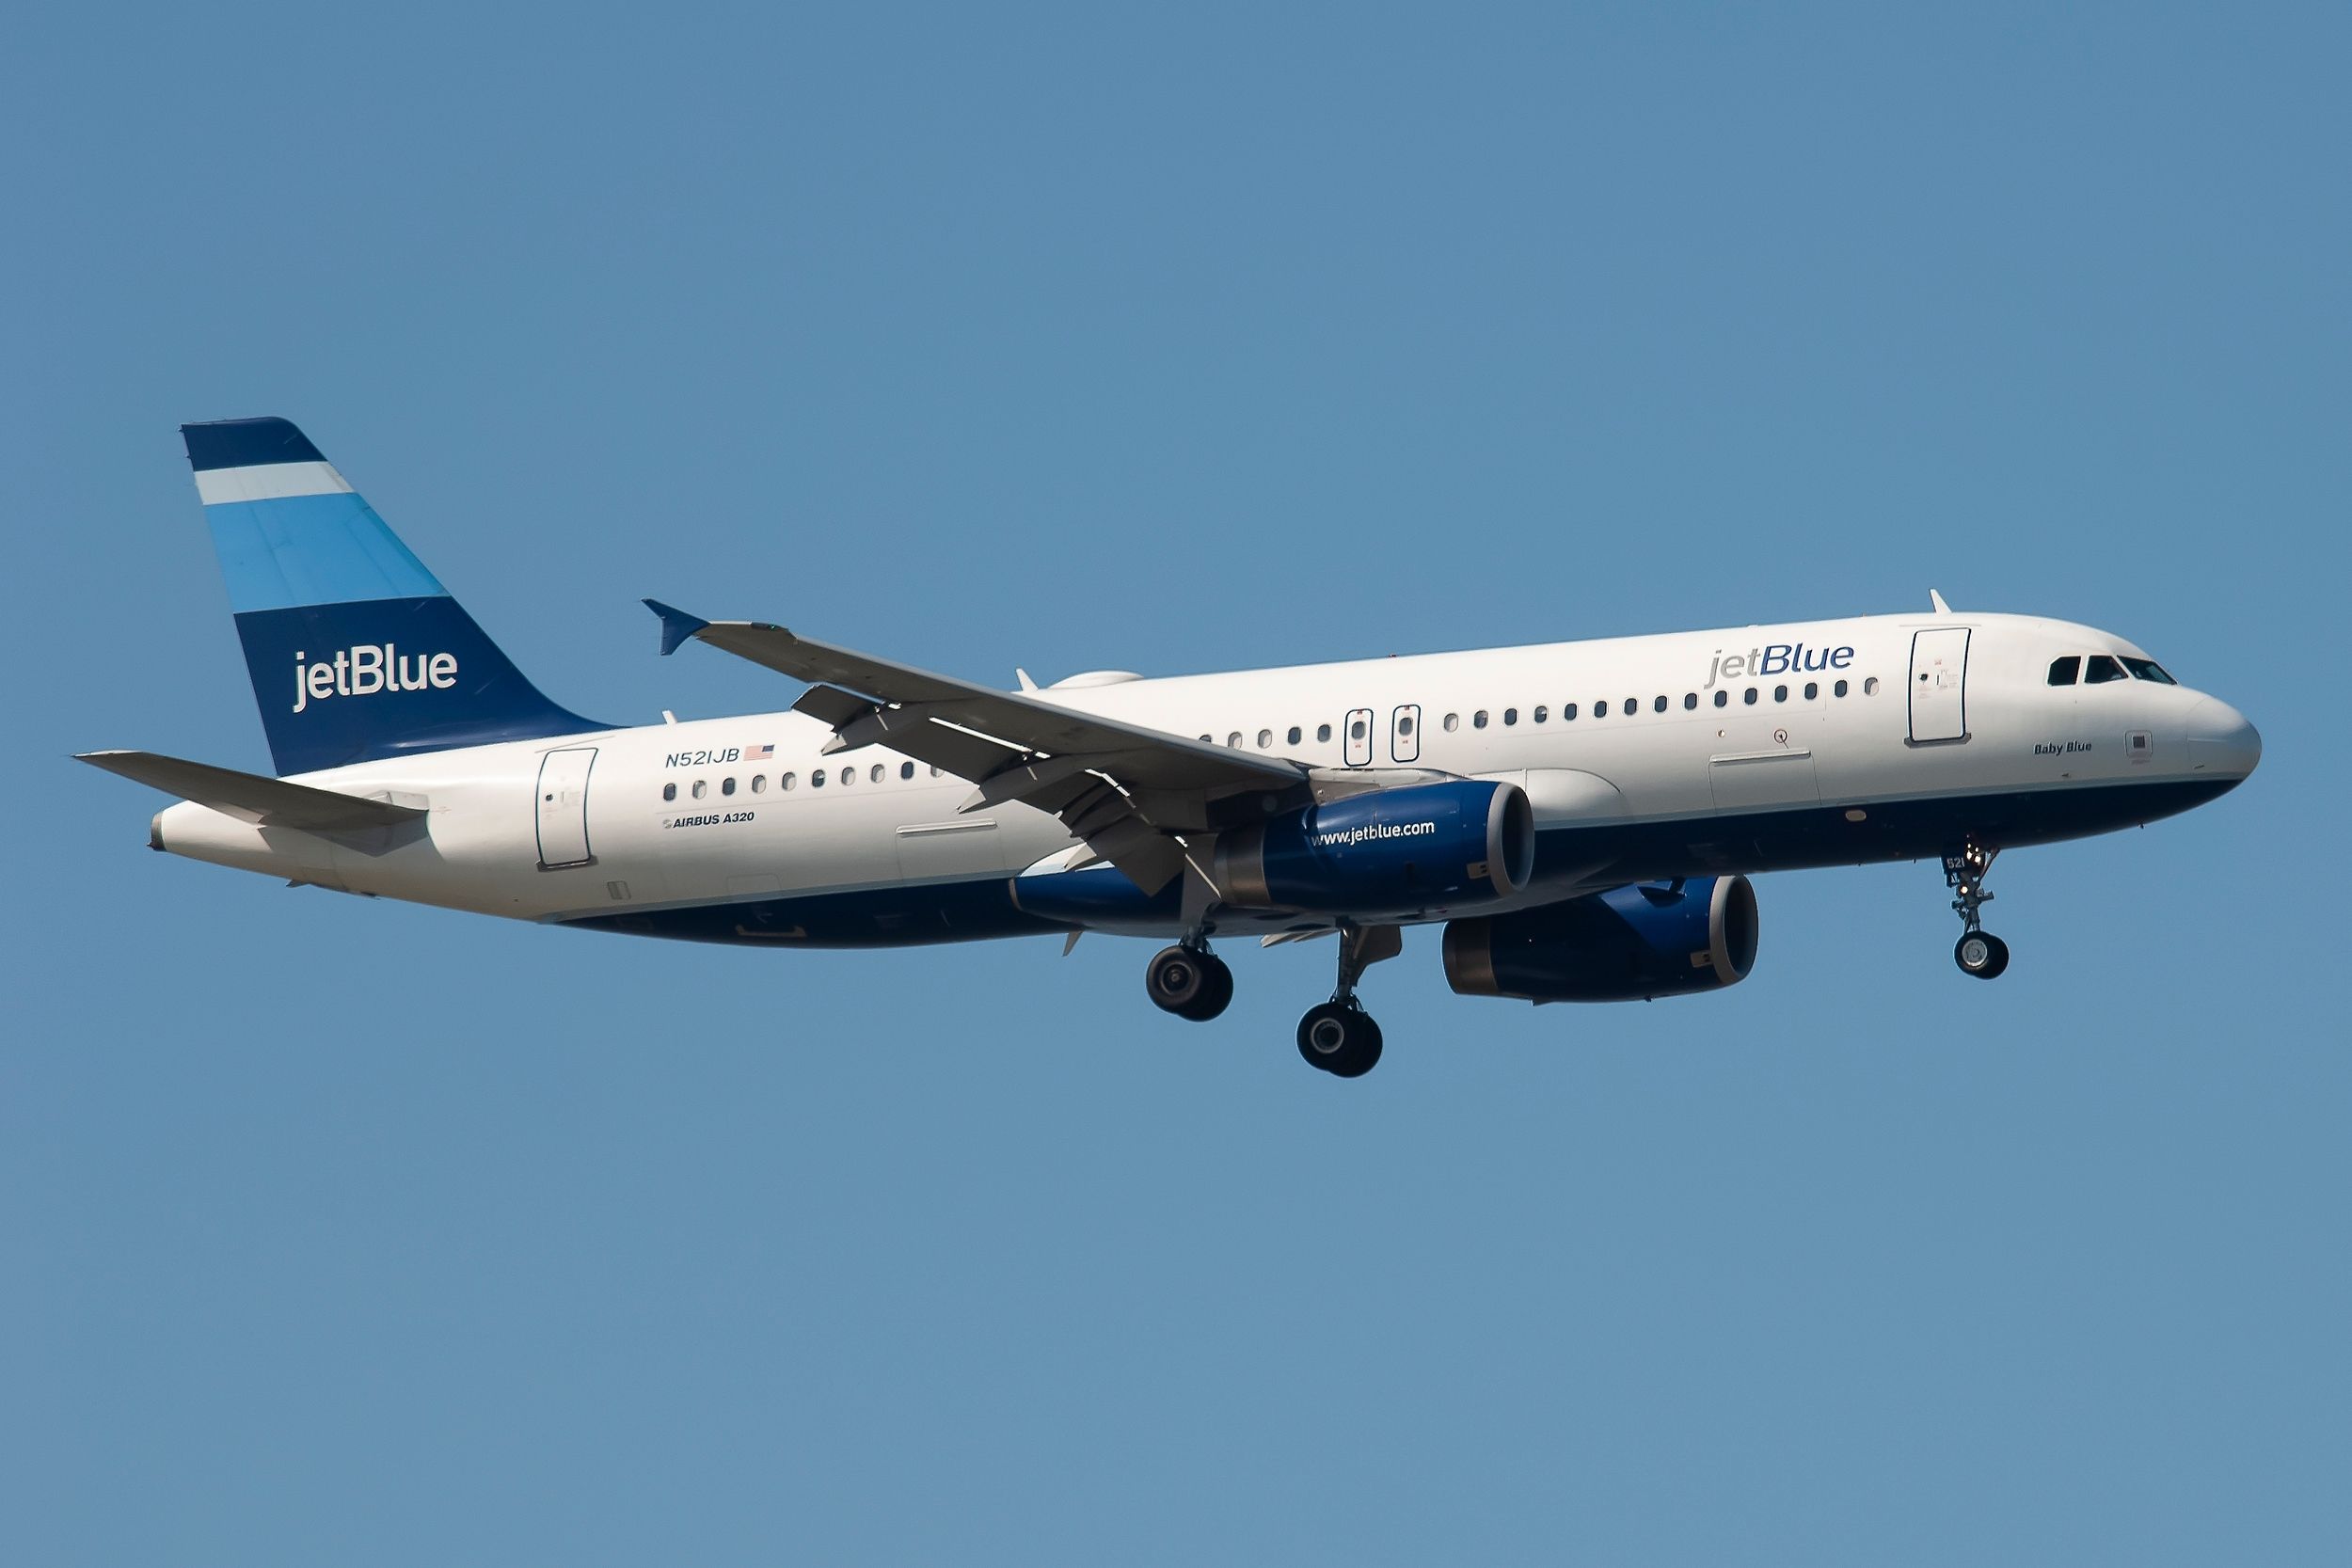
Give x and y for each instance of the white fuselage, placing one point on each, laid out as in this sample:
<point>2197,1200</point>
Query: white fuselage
<point>1666,752</point>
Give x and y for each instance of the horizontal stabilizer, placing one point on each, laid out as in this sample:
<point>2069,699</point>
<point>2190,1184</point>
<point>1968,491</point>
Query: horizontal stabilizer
<point>250,798</point>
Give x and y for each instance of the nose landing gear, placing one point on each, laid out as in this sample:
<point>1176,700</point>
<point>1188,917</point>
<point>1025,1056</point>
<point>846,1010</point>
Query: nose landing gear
<point>1979,952</point>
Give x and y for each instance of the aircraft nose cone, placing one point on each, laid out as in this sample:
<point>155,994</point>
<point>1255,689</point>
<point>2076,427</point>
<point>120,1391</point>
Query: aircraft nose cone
<point>2221,741</point>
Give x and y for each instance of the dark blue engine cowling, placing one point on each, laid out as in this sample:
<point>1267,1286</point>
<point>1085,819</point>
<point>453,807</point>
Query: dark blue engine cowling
<point>1391,851</point>
<point>1628,944</point>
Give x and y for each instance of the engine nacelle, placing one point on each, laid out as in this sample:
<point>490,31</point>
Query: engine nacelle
<point>1628,944</point>
<point>1391,851</point>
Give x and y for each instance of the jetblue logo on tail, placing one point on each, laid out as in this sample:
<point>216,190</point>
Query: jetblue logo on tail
<point>369,668</point>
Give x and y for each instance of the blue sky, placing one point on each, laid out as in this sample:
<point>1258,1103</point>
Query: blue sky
<point>1170,340</point>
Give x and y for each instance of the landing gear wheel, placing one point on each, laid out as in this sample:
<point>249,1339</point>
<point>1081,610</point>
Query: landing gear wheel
<point>1339,1039</point>
<point>1189,982</point>
<point>1979,953</point>
<point>1982,955</point>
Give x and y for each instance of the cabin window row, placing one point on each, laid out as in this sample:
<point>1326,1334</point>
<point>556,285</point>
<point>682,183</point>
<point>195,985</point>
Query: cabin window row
<point>817,778</point>
<point>1483,717</point>
<point>1541,714</point>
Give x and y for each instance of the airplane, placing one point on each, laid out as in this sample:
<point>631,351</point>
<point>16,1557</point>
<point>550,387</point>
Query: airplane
<point>1582,818</point>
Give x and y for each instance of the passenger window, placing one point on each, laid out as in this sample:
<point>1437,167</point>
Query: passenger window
<point>760,784</point>
<point>1265,740</point>
<point>1355,730</point>
<point>1478,720</point>
<point>1659,706</point>
<point>876,774</point>
<point>2065,672</point>
<point>2148,670</point>
<point>1600,709</point>
<point>669,792</point>
<point>1207,739</point>
<point>1233,740</point>
<point>936,772</point>
<point>1405,725</point>
<point>785,782</point>
<point>2102,669</point>
<point>1690,700</point>
<point>1723,699</point>
<point>1510,716</point>
<point>1780,693</point>
<point>702,787</point>
<point>1540,714</point>
<point>1452,722</point>
<point>1295,734</point>
<point>1840,689</point>
<point>1322,731</point>
<point>816,777</point>
<point>726,786</point>
<point>906,769</point>
<point>1812,689</point>
<point>1749,699</point>
<point>848,776</point>
<point>1870,687</point>
<point>1632,707</point>
<point>1568,711</point>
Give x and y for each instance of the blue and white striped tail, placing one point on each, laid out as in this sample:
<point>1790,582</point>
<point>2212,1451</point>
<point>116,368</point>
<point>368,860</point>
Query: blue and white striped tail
<point>357,652</point>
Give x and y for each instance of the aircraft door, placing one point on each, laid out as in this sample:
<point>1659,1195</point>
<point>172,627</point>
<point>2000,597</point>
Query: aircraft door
<point>1358,738</point>
<point>1404,734</point>
<point>563,807</point>
<point>1939,685</point>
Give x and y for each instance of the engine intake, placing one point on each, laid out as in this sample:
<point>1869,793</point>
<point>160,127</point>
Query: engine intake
<point>1630,943</point>
<point>1392,851</point>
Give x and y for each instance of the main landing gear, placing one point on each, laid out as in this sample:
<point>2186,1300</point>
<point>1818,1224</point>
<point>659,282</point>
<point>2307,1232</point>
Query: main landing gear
<point>1979,952</point>
<point>1189,981</point>
<point>1338,1035</point>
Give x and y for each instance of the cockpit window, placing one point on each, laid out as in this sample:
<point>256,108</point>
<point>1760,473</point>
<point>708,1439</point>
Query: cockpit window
<point>2065,672</point>
<point>2102,669</point>
<point>2148,670</point>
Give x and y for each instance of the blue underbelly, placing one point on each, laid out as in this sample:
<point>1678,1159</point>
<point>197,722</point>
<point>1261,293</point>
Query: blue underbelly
<point>918,913</point>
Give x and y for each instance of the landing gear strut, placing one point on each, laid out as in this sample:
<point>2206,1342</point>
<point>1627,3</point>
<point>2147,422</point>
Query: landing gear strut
<point>1338,1035</point>
<point>1979,952</point>
<point>1189,981</point>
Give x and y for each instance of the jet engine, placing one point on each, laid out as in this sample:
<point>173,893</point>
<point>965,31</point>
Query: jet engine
<point>1630,943</point>
<point>1392,851</point>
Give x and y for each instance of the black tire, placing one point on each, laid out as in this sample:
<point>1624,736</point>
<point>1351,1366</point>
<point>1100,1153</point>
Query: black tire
<point>1339,1040</point>
<point>1981,954</point>
<point>1216,990</point>
<point>1367,1055</point>
<point>1177,979</point>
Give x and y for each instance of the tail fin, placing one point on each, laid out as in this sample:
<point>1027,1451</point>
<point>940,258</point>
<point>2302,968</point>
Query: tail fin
<point>357,652</point>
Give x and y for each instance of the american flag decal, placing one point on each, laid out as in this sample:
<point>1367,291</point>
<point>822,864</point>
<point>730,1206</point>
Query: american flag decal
<point>759,754</point>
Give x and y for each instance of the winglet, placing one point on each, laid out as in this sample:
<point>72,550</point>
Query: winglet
<point>676,626</point>
<point>1937,599</point>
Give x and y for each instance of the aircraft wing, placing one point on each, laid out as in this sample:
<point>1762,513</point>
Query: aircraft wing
<point>1130,792</point>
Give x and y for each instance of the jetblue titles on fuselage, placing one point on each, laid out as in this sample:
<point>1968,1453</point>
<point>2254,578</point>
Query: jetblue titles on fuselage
<point>1776,659</point>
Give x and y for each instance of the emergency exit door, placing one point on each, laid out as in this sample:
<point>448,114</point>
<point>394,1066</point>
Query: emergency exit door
<point>563,807</point>
<point>1404,734</point>
<point>1939,684</point>
<point>1359,744</point>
